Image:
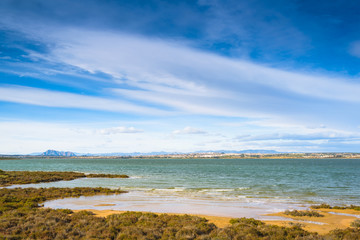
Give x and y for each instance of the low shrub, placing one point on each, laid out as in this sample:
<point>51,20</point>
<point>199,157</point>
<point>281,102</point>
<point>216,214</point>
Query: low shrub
<point>29,198</point>
<point>323,205</point>
<point>249,228</point>
<point>8,178</point>
<point>22,218</point>
<point>327,206</point>
<point>305,213</point>
<point>343,234</point>
<point>355,224</point>
<point>25,177</point>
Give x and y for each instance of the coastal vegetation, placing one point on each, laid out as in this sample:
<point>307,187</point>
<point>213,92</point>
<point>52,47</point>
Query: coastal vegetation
<point>306,213</point>
<point>327,206</point>
<point>31,198</point>
<point>38,223</point>
<point>8,158</point>
<point>25,177</point>
<point>23,217</point>
<point>356,224</point>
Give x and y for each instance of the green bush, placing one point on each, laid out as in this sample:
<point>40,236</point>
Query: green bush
<point>305,213</point>
<point>67,211</point>
<point>355,224</point>
<point>344,234</point>
<point>323,205</point>
<point>22,218</point>
<point>244,228</point>
<point>327,206</point>
<point>8,178</point>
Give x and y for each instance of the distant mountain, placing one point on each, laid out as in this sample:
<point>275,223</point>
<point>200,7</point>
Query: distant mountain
<point>54,153</point>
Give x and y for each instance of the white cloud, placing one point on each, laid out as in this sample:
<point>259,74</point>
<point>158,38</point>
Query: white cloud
<point>116,130</point>
<point>328,136</point>
<point>156,77</point>
<point>168,64</point>
<point>172,75</point>
<point>41,97</point>
<point>169,75</point>
<point>29,136</point>
<point>189,130</point>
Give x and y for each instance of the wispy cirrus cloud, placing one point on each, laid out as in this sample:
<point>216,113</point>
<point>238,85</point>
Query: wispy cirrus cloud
<point>117,130</point>
<point>142,74</point>
<point>170,75</point>
<point>331,136</point>
<point>48,98</point>
<point>194,81</point>
<point>180,67</point>
<point>189,130</point>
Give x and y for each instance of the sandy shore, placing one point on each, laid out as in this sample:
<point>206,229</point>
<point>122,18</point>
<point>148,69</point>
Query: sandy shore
<point>218,221</point>
<point>333,219</point>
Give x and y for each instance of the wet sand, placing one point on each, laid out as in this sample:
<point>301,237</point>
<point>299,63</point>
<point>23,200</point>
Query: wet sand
<point>333,219</point>
<point>145,202</point>
<point>216,211</point>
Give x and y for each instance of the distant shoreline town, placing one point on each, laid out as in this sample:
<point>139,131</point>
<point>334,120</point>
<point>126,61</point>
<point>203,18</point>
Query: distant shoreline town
<point>248,154</point>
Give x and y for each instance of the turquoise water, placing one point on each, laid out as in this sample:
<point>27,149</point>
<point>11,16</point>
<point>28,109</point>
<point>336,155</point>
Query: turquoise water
<point>334,181</point>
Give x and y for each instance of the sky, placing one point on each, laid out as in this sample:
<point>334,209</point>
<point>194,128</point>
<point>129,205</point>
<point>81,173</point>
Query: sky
<point>105,76</point>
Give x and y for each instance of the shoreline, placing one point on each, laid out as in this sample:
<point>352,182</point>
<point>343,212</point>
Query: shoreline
<point>219,221</point>
<point>333,219</point>
<point>170,214</point>
<point>206,155</point>
<point>166,203</point>
<point>215,212</point>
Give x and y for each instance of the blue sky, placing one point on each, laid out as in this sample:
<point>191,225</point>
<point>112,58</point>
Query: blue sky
<point>123,76</point>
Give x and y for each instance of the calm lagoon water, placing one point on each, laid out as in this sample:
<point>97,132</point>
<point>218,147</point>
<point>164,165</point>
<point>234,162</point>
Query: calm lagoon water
<point>277,183</point>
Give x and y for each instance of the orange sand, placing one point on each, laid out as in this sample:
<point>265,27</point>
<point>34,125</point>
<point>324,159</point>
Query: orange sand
<point>331,221</point>
<point>218,221</point>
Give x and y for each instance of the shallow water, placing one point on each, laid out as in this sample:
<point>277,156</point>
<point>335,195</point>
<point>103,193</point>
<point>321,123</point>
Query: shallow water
<point>286,182</point>
<point>142,201</point>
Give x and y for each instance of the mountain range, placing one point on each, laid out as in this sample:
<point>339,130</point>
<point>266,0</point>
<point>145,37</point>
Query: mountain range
<point>55,153</point>
<point>58,153</point>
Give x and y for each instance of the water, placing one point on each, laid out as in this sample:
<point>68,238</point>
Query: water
<point>243,181</point>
